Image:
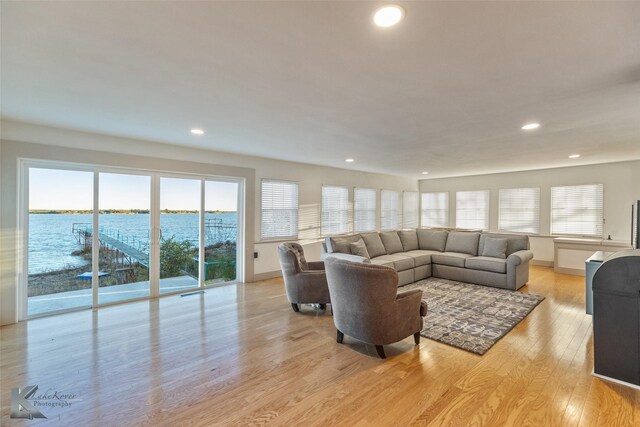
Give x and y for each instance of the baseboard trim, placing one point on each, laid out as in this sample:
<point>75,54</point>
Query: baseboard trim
<point>572,271</point>
<point>541,263</point>
<point>613,380</point>
<point>267,275</point>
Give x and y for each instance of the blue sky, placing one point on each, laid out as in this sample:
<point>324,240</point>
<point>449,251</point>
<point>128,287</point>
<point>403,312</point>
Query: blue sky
<point>73,190</point>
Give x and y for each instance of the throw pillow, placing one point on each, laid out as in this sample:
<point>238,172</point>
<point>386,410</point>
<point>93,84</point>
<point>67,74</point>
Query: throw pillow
<point>360,249</point>
<point>495,247</point>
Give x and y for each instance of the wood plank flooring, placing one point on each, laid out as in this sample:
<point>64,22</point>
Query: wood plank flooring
<point>239,355</point>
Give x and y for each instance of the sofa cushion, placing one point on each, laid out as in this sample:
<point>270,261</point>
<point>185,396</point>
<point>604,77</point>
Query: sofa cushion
<point>432,240</point>
<point>374,244</point>
<point>421,257</point>
<point>409,239</point>
<point>341,243</point>
<point>400,262</point>
<point>495,247</point>
<point>463,242</point>
<point>496,265</point>
<point>359,248</point>
<point>391,242</point>
<point>454,259</point>
<point>515,242</point>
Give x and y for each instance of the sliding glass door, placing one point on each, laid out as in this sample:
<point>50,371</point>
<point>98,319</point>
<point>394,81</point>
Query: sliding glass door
<point>124,230</point>
<point>179,233</point>
<point>99,236</point>
<point>59,255</point>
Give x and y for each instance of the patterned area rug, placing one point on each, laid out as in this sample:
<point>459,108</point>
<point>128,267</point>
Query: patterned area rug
<point>471,317</point>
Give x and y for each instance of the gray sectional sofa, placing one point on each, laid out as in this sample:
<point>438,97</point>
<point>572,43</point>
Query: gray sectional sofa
<point>491,259</point>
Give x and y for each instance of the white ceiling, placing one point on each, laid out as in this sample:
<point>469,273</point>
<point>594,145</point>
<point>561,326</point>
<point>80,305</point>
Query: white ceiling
<point>445,91</point>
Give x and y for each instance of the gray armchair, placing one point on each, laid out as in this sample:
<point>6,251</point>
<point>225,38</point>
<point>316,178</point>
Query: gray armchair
<point>366,305</point>
<point>305,282</point>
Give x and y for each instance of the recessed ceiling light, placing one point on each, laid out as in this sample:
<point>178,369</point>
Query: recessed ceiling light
<point>197,131</point>
<point>531,126</point>
<point>349,160</point>
<point>388,16</point>
<point>425,173</point>
<point>574,156</point>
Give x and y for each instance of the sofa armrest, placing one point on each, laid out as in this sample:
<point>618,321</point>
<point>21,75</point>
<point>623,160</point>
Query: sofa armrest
<point>519,257</point>
<point>316,265</point>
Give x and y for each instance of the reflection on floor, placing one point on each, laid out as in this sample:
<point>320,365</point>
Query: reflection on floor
<point>83,298</point>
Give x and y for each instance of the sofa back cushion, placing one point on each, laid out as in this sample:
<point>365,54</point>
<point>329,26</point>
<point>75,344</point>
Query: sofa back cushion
<point>341,243</point>
<point>432,240</point>
<point>391,242</point>
<point>515,242</point>
<point>409,239</point>
<point>374,244</point>
<point>463,242</point>
<point>359,248</point>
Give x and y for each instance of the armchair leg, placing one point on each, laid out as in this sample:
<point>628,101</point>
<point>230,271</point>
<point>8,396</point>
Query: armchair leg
<point>416,337</point>
<point>295,307</point>
<point>323,306</point>
<point>380,351</point>
<point>339,336</point>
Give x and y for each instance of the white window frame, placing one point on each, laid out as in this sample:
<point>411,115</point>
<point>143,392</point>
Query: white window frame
<point>596,209</point>
<point>515,219</point>
<point>292,225</point>
<point>429,215</point>
<point>365,211</point>
<point>410,209</point>
<point>390,215</point>
<point>334,217</point>
<point>485,209</point>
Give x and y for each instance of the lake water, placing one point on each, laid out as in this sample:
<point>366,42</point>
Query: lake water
<point>51,240</point>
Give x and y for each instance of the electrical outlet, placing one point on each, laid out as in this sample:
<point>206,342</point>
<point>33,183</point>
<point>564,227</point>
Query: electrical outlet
<point>255,255</point>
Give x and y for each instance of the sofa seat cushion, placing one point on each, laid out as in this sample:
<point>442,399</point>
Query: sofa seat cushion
<point>454,259</point>
<point>421,257</point>
<point>400,262</point>
<point>484,263</point>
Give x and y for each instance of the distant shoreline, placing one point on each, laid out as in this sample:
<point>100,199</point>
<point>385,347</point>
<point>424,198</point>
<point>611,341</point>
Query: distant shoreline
<point>119,211</point>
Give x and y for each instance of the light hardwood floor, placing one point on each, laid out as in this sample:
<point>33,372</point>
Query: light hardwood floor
<point>239,355</point>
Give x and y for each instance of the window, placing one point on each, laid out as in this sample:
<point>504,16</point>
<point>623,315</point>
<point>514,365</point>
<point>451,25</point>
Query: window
<point>279,210</point>
<point>519,210</point>
<point>410,209</point>
<point>364,209</point>
<point>577,210</point>
<point>390,205</point>
<point>472,209</point>
<point>335,210</point>
<point>435,210</point>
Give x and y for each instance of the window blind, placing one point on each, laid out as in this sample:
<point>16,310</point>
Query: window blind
<point>390,210</point>
<point>279,210</point>
<point>335,210</point>
<point>410,207</point>
<point>577,210</point>
<point>364,209</point>
<point>472,209</point>
<point>435,210</point>
<point>519,210</point>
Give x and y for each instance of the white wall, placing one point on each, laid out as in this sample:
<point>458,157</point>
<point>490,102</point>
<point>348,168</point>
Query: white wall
<point>621,188</point>
<point>23,140</point>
